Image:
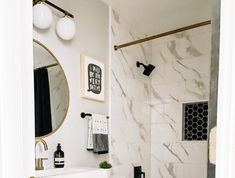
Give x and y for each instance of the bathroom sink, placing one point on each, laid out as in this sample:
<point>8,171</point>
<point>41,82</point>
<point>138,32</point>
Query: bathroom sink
<point>67,172</point>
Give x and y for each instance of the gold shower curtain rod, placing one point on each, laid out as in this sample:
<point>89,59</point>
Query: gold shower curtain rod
<point>48,66</point>
<point>116,47</point>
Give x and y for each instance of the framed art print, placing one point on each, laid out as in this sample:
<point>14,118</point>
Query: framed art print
<point>92,79</point>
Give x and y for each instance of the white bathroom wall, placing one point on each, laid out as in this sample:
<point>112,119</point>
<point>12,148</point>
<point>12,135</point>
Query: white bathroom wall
<point>130,104</point>
<point>182,75</point>
<point>92,23</point>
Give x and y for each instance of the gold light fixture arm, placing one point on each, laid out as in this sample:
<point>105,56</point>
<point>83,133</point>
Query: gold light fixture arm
<point>54,6</point>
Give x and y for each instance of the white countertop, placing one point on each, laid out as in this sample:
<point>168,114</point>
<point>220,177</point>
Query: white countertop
<point>62,171</point>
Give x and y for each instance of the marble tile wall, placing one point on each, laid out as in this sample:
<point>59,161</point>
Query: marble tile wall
<point>147,111</point>
<point>130,105</point>
<point>182,75</point>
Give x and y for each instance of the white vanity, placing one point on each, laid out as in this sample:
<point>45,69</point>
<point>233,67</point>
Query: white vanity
<point>73,173</point>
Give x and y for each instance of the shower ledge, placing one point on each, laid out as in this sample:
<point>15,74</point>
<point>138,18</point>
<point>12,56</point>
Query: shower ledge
<point>84,172</point>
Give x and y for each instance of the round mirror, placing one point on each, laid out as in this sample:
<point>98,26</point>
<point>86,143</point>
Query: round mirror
<point>51,91</point>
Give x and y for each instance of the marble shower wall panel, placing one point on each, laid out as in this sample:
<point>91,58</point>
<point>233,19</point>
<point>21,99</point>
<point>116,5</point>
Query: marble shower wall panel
<point>58,87</point>
<point>182,75</point>
<point>130,104</point>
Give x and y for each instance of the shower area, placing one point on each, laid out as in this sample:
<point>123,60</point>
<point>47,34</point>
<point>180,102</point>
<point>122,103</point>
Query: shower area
<point>160,112</point>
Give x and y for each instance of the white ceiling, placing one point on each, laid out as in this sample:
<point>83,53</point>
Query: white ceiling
<point>149,17</point>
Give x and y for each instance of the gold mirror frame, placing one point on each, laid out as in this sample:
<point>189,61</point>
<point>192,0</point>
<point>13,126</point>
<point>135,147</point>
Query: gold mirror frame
<point>66,81</point>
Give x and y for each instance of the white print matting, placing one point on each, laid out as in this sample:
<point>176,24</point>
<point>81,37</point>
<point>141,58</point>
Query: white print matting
<point>92,79</point>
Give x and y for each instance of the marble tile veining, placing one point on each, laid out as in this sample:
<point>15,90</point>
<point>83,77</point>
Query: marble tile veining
<point>146,112</point>
<point>130,105</point>
<point>183,61</point>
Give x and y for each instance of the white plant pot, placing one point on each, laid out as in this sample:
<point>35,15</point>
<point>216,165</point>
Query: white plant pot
<point>108,172</point>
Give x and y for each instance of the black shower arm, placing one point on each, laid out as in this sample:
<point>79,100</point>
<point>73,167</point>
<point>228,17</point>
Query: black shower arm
<point>138,64</point>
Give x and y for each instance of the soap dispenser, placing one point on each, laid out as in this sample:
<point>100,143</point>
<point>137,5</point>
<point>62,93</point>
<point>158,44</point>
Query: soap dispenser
<point>59,157</point>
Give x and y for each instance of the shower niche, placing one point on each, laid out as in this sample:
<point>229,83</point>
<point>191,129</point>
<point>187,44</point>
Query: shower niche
<point>195,121</point>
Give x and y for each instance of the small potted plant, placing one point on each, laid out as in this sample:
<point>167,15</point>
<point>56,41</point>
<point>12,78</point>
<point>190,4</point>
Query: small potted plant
<point>106,165</point>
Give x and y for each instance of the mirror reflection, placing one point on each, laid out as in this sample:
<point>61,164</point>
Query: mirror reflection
<point>51,91</point>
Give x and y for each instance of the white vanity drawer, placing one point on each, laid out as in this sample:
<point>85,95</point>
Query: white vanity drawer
<point>90,174</point>
<point>73,173</point>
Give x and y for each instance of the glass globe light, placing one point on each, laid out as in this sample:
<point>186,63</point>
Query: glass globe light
<point>65,28</point>
<point>42,16</point>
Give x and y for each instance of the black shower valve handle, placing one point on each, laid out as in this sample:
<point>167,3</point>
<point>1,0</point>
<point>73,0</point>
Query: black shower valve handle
<point>143,173</point>
<point>138,172</point>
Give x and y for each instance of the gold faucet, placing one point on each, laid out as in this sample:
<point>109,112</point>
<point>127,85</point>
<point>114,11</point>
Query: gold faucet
<point>43,142</point>
<point>39,161</point>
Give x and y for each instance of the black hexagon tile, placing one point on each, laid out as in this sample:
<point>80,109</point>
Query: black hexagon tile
<point>195,120</point>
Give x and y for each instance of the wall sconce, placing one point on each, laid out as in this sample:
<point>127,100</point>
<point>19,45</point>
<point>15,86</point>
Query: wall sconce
<point>42,18</point>
<point>65,28</point>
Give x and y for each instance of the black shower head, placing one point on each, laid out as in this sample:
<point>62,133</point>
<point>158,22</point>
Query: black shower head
<point>147,69</point>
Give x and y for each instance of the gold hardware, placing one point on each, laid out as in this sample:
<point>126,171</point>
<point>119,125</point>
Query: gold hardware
<point>52,5</point>
<point>31,177</point>
<point>43,142</point>
<point>39,163</point>
<point>47,66</point>
<point>66,14</point>
<point>116,47</point>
